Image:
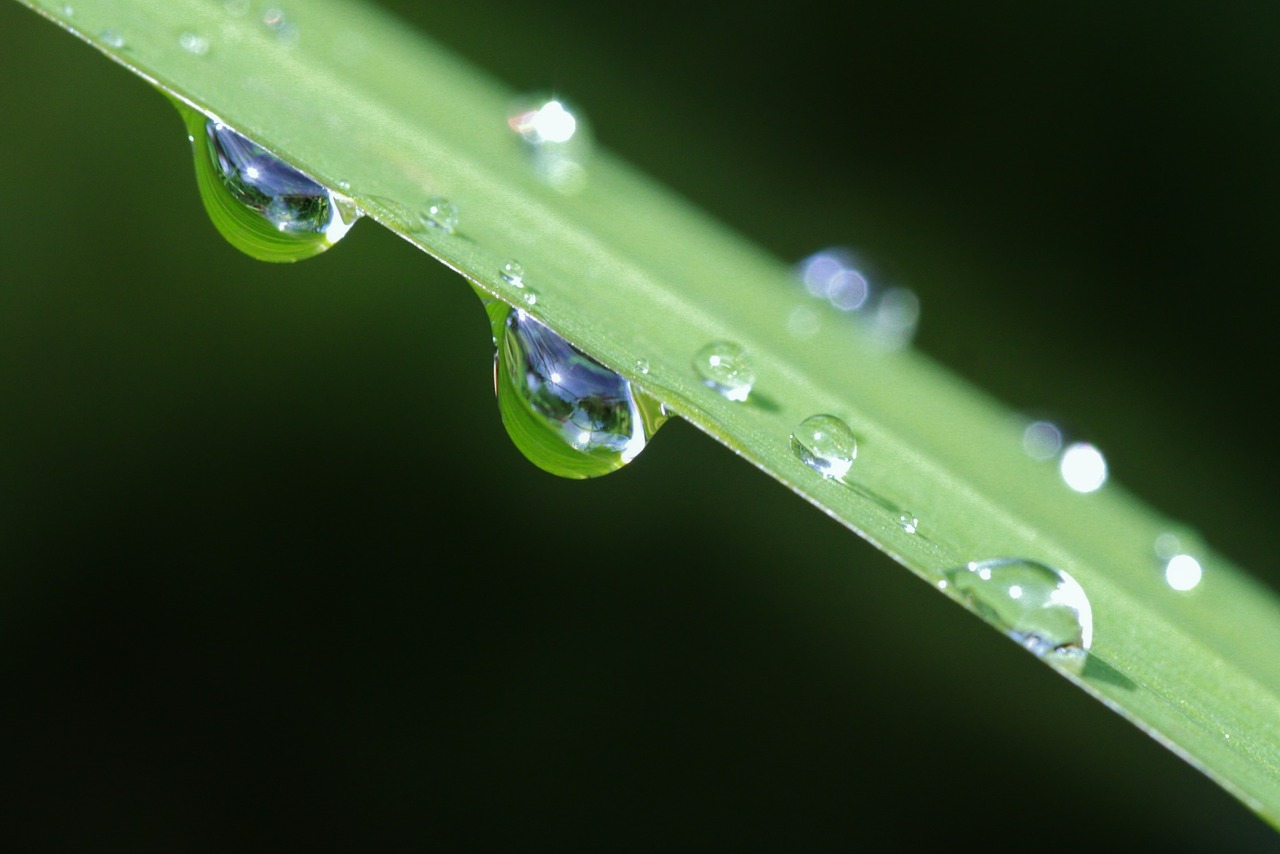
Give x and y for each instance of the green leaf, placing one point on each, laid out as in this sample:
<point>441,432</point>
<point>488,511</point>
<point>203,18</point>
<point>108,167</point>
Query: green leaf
<point>631,273</point>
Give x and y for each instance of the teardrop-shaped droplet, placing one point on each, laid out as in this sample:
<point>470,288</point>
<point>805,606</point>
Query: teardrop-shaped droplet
<point>825,444</point>
<point>566,412</point>
<point>1042,608</point>
<point>260,204</point>
<point>725,367</point>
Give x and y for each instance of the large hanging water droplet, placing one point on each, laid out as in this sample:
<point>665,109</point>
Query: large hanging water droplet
<point>825,444</point>
<point>260,204</point>
<point>1042,608</point>
<point>566,412</point>
<point>725,367</point>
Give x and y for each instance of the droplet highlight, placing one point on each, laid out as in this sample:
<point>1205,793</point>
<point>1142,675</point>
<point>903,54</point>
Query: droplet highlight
<point>1083,468</point>
<point>263,206</point>
<point>112,37</point>
<point>908,522</point>
<point>286,32</point>
<point>1041,440</point>
<point>193,43</point>
<point>1183,572</point>
<point>726,367</point>
<point>825,444</point>
<point>556,137</point>
<point>849,283</point>
<point>1043,609</point>
<point>567,413</point>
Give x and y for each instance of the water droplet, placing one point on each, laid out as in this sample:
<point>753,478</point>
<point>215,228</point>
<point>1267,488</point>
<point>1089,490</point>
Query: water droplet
<point>1083,468</point>
<point>260,204</point>
<point>566,412</point>
<point>529,295</point>
<point>895,317</point>
<point>285,31</point>
<point>194,43</point>
<point>557,138</point>
<point>513,272</point>
<point>112,37</point>
<point>1183,572</point>
<point>909,523</point>
<point>804,321</point>
<point>825,444</point>
<point>441,214</point>
<point>68,10</point>
<point>1041,440</point>
<point>642,365</point>
<point>344,185</point>
<point>849,283</point>
<point>1042,608</point>
<point>725,367</point>
<point>548,122</point>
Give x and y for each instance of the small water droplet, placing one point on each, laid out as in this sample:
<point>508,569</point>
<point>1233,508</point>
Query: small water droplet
<point>285,31</point>
<point>194,43</point>
<point>112,37</point>
<point>344,185</point>
<point>1042,608</point>
<point>725,367</point>
<point>1041,440</point>
<point>260,204</point>
<point>895,317</point>
<point>566,412</point>
<point>851,284</point>
<point>529,295</point>
<point>909,523</point>
<point>68,10</point>
<point>441,214</point>
<point>1083,468</point>
<point>1167,545</point>
<point>804,321</point>
<point>642,365</point>
<point>825,444</point>
<point>513,272</point>
<point>557,138</point>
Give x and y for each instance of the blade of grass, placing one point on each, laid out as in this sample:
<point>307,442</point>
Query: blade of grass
<point>629,272</point>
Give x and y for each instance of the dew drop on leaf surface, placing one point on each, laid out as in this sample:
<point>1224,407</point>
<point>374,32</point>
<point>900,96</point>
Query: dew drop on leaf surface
<point>725,367</point>
<point>825,444</point>
<point>1042,608</point>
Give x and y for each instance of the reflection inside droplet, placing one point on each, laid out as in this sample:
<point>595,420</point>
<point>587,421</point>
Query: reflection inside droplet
<point>569,414</point>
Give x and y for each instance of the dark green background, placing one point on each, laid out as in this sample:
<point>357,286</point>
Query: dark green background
<point>272,576</point>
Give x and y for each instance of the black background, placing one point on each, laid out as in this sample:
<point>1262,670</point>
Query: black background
<point>272,577</point>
